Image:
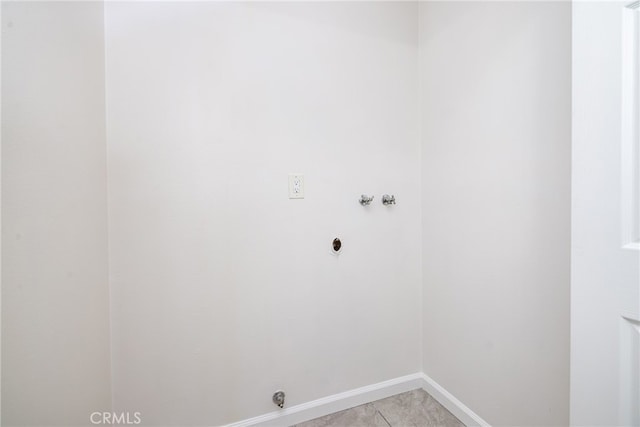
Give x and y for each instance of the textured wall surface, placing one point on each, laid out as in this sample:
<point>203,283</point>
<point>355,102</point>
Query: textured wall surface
<point>55,295</point>
<point>496,176</point>
<point>223,289</point>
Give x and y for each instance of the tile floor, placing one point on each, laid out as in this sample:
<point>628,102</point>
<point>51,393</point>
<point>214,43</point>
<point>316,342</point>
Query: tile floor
<point>411,409</point>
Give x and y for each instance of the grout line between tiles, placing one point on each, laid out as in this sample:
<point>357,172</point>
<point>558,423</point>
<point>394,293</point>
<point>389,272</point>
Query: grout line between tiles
<point>383,417</point>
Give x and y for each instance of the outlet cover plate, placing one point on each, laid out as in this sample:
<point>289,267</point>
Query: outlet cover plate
<point>296,186</point>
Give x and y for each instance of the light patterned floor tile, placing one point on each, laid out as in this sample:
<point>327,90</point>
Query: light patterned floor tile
<point>415,409</point>
<point>360,416</point>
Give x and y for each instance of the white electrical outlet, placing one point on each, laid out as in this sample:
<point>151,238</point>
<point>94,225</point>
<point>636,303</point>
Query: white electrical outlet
<point>296,186</point>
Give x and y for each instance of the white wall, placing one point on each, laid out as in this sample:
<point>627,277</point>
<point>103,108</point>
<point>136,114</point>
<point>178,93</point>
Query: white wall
<point>55,324</point>
<point>496,151</point>
<point>223,289</point>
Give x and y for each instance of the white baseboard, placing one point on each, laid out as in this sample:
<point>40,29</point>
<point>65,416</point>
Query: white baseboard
<point>446,399</point>
<point>337,402</point>
<point>359,396</point>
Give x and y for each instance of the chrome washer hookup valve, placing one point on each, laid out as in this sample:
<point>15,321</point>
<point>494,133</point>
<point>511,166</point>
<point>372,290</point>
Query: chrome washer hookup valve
<point>365,200</point>
<point>388,200</point>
